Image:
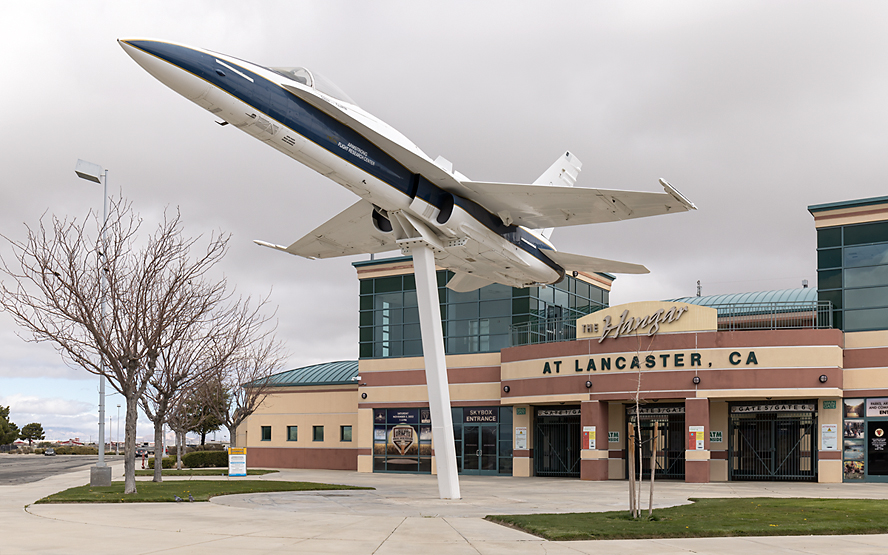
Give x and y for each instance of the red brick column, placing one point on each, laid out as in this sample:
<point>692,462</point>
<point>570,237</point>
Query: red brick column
<point>593,462</point>
<point>697,461</point>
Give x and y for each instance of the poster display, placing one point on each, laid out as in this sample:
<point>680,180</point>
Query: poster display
<point>877,448</point>
<point>588,437</point>
<point>829,437</point>
<point>521,437</point>
<point>877,407</point>
<point>237,461</point>
<point>852,408</point>
<point>695,438</point>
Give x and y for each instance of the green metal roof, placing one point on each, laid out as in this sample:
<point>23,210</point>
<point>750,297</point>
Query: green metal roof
<point>847,204</point>
<point>328,373</point>
<point>804,295</point>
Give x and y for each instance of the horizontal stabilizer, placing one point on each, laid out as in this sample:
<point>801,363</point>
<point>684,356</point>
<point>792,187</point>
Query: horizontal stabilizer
<point>589,264</point>
<point>465,283</point>
<point>348,233</point>
<point>542,206</point>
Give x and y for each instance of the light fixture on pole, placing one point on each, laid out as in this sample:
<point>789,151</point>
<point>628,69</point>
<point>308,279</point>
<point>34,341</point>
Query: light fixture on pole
<point>100,475</point>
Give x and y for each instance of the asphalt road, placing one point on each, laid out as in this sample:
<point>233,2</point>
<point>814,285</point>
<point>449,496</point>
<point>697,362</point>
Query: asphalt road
<point>22,469</point>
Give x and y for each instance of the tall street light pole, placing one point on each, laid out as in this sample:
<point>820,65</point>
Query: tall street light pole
<point>118,429</point>
<point>100,475</point>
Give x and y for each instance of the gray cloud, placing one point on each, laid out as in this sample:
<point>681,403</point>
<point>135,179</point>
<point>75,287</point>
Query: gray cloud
<point>753,109</point>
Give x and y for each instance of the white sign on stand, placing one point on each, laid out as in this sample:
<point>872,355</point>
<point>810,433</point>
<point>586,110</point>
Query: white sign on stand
<point>237,461</point>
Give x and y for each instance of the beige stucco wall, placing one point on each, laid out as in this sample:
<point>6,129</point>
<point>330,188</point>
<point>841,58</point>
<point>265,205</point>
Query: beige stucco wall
<point>616,422</point>
<point>330,407</point>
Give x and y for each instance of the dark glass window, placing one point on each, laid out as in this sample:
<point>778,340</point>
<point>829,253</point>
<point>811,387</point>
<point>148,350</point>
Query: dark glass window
<point>829,279</point>
<point>266,433</point>
<point>292,434</point>
<point>477,321</point>
<point>345,433</point>
<point>317,433</point>
<point>869,255</point>
<point>835,297</point>
<point>871,319</point>
<point>866,277</point>
<point>829,237</point>
<point>866,298</point>
<point>866,233</point>
<point>829,258</point>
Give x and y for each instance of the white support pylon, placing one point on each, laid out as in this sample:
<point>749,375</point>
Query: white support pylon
<point>435,368</point>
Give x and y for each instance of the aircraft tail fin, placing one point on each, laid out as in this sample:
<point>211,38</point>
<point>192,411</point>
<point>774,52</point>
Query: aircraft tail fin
<point>563,173</point>
<point>589,264</point>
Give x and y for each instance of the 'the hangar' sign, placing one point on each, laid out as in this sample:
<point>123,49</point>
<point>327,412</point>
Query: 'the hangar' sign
<point>646,318</point>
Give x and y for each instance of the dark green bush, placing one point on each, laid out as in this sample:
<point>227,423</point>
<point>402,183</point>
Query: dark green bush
<point>205,459</point>
<point>168,462</point>
<point>76,450</point>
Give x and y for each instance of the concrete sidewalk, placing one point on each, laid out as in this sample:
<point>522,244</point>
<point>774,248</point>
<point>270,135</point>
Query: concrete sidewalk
<point>403,515</point>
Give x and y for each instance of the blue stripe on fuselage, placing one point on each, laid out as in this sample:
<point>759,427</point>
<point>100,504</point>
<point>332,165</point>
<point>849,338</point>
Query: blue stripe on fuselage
<point>332,135</point>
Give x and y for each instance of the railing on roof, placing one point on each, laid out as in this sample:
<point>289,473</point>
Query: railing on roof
<point>551,330</point>
<point>777,315</point>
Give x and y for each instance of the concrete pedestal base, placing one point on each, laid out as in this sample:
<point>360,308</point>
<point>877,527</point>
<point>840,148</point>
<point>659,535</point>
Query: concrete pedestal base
<point>100,476</point>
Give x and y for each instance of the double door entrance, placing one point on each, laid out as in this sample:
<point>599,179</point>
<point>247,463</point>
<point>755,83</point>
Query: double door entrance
<point>769,442</point>
<point>668,447</point>
<point>479,453</point>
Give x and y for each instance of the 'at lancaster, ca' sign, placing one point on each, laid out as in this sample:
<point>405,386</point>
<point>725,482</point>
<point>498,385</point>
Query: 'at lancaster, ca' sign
<point>646,318</point>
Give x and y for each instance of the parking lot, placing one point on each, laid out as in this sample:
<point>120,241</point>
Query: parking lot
<point>22,469</point>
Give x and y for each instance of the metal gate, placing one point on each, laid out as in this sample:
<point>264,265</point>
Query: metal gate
<point>670,459</point>
<point>556,443</point>
<point>773,446</point>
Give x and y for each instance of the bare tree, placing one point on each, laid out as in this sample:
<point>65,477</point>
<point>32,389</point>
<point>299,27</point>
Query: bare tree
<point>155,294</point>
<point>247,382</point>
<point>200,357</point>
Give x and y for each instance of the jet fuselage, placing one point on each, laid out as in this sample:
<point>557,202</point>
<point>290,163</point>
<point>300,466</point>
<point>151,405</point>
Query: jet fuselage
<point>465,237</point>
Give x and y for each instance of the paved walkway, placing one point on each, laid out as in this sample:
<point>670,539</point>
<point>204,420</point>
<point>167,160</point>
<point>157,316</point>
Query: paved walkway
<point>403,515</point>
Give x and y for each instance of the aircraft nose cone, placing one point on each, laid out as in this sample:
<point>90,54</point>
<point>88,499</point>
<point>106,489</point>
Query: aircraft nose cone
<point>168,63</point>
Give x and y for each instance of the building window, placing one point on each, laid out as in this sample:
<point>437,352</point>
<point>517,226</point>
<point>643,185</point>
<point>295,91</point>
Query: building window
<point>266,433</point>
<point>479,321</point>
<point>345,433</point>
<point>852,273</point>
<point>317,433</point>
<point>291,433</point>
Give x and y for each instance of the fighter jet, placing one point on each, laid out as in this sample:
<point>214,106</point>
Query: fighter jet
<point>484,232</point>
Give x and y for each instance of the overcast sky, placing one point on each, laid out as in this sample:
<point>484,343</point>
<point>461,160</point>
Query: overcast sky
<point>754,110</point>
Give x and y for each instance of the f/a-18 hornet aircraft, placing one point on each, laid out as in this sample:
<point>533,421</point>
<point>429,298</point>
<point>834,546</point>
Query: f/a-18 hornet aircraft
<point>483,232</point>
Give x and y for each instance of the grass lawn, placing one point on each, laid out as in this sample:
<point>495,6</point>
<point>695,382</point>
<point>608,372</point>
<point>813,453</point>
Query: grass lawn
<point>202,490</point>
<point>713,518</point>
<point>202,472</point>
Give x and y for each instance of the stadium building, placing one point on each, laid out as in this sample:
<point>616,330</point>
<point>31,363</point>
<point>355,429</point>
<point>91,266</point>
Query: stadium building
<point>550,381</point>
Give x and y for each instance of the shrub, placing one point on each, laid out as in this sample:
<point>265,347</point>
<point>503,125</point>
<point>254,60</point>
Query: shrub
<point>38,451</point>
<point>168,462</point>
<point>76,450</point>
<point>205,459</point>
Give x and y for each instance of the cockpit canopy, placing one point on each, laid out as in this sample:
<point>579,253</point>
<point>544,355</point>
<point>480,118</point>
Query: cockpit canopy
<point>314,80</point>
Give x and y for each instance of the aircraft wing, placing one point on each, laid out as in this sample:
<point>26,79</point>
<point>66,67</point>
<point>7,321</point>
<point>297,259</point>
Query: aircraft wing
<point>589,264</point>
<point>350,232</point>
<point>542,206</point>
<point>411,158</point>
